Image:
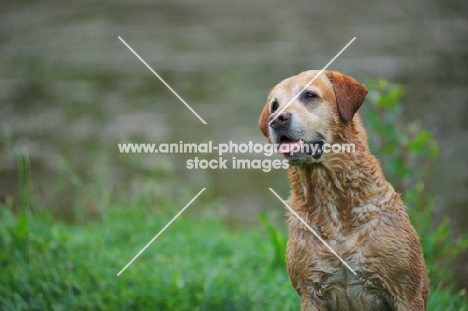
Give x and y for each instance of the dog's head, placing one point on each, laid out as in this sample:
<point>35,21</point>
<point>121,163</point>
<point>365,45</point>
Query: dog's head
<point>316,116</point>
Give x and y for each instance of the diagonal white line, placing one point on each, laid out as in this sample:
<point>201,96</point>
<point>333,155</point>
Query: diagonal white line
<point>160,232</point>
<point>312,230</point>
<point>316,76</point>
<point>162,80</point>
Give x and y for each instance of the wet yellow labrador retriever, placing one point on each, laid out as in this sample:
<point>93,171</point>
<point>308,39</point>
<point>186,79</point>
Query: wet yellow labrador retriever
<point>345,198</point>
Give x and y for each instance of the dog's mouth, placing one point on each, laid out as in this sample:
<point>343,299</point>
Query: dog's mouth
<point>289,146</point>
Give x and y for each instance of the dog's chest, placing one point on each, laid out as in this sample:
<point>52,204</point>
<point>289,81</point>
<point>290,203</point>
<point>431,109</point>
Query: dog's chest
<point>312,266</point>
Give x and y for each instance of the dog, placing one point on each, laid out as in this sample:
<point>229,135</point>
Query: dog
<point>345,199</point>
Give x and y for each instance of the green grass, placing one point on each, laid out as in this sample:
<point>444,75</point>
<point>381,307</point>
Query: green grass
<point>197,264</point>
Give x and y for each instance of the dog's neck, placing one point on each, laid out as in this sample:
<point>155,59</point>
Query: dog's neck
<point>343,190</point>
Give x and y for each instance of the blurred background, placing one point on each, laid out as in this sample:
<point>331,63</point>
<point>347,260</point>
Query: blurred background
<point>70,91</point>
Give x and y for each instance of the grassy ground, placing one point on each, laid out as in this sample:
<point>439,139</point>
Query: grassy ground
<point>199,263</point>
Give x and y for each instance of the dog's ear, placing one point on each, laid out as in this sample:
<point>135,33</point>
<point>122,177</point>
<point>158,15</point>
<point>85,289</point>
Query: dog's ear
<point>349,93</point>
<point>263,121</point>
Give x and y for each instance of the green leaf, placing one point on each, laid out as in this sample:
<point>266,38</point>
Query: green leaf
<point>21,228</point>
<point>420,141</point>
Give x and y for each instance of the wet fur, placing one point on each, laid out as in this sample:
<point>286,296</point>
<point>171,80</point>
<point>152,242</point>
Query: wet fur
<point>346,199</point>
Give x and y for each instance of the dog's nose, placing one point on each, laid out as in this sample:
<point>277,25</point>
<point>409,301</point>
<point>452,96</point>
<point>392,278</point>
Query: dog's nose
<point>280,120</point>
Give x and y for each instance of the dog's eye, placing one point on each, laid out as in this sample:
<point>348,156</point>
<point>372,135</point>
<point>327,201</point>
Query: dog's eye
<point>310,95</point>
<point>274,106</point>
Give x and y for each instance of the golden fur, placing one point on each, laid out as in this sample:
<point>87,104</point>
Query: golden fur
<point>346,199</point>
